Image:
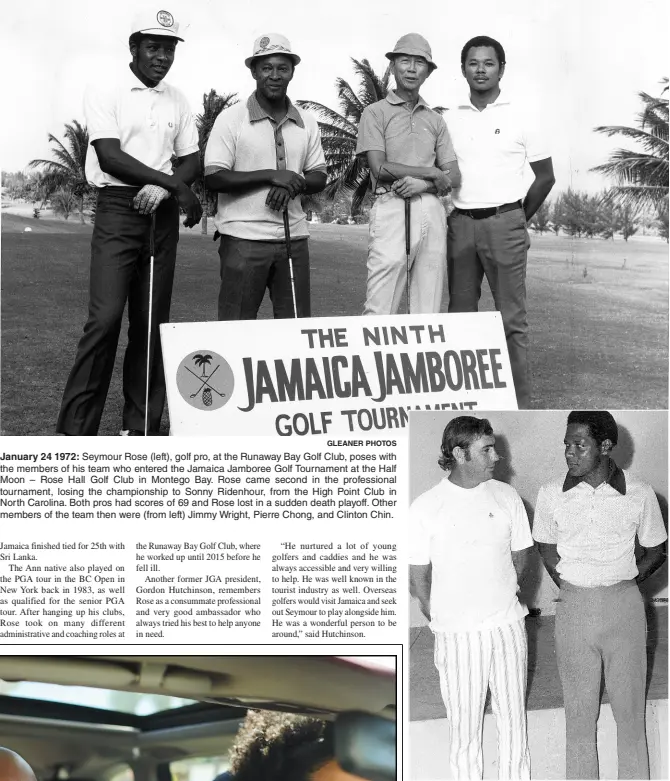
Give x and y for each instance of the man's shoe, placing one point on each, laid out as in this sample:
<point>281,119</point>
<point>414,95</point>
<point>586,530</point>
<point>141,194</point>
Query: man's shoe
<point>131,432</point>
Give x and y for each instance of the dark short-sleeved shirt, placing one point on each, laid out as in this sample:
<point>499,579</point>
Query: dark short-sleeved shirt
<point>416,136</point>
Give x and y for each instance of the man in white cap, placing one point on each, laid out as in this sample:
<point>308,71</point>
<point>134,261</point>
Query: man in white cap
<point>136,124</point>
<point>410,154</point>
<point>262,154</point>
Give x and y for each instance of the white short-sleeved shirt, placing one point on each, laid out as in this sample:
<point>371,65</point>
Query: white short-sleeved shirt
<point>152,124</point>
<point>492,147</point>
<point>594,529</point>
<point>468,536</point>
<point>246,138</point>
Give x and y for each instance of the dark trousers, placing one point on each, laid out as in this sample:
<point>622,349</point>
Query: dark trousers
<point>120,273</point>
<point>248,268</point>
<point>603,630</point>
<point>498,247</point>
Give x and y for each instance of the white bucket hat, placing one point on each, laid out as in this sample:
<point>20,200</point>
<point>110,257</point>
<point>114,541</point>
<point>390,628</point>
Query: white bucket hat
<point>271,43</point>
<point>152,22</point>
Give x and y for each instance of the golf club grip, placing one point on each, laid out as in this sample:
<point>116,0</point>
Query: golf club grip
<point>407,227</point>
<point>287,232</point>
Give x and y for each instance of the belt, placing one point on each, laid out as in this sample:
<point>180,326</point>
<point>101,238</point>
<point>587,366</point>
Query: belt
<point>493,211</point>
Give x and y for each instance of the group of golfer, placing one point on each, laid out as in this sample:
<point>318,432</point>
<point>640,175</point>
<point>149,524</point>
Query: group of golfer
<point>261,156</point>
<point>470,542</point>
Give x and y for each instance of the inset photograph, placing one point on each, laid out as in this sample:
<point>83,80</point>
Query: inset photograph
<point>538,618</point>
<point>198,718</point>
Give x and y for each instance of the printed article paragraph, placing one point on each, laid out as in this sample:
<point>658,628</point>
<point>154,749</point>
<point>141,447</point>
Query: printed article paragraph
<point>297,543</point>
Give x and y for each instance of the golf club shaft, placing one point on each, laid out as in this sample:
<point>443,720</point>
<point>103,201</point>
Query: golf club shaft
<point>152,231</point>
<point>408,207</point>
<point>287,238</point>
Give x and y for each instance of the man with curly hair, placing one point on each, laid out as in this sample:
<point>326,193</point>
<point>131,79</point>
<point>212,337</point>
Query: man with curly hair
<point>470,543</point>
<point>586,527</point>
<point>273,746</point>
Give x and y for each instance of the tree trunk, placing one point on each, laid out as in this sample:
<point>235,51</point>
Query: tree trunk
<point>81,210</point>
<point>203,224</point>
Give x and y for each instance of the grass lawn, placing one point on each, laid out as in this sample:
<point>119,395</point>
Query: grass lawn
<point>598,313</point>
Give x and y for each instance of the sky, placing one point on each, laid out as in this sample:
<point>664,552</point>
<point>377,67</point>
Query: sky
<point>581,63</point>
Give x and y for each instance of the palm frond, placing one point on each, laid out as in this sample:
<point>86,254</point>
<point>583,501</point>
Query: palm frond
<point>329,117</point>
<point>641,176</point>
<point>347,173</point>
<point>351,105</point>
<point>359,193</point>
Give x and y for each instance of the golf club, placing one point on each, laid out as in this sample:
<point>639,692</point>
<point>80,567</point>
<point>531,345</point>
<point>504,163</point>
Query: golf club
<point>408,206</point>
<point>152,231</point>
<point>287,239</point>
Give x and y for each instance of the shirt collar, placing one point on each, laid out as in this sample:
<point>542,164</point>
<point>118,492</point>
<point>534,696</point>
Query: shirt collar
<point>501,100</point>
<point>615,478</point>
<point>135,83</point>
<point>396,100</point>
<point>257,112</point>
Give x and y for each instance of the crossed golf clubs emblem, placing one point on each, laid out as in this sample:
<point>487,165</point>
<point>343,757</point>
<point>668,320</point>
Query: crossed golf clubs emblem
<point>206,387</point>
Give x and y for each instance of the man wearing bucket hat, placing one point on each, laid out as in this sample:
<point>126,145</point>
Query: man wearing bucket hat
<point>410,154</point>
<point>136,124</point>
<point>262,154</point>
<point>495,140</point>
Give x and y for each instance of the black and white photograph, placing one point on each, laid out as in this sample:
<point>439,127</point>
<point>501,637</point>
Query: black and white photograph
<point>172,161</point>
<point>538,618</point>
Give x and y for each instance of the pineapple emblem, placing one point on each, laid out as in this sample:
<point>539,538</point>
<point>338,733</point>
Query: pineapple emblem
<point>203,361</point>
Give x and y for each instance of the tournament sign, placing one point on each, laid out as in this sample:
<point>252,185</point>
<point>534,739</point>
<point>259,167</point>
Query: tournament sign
<point>332,375</point>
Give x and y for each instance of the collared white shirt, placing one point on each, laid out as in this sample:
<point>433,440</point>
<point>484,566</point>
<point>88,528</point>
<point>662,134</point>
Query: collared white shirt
<point>594,529</point>
<point>468,535</point>
<point>493,147</point>
<point>151,123</point>
<point>246,138</point>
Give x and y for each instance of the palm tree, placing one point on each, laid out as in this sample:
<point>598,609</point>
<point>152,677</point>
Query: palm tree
<point>212,105</point>
<point>68,169</point>
<point>641,176</point>
<point>346,172</point>
<point>202,360</point>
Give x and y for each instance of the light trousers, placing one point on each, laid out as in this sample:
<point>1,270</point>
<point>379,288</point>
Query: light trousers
<point>469,663</point>
<point>387,257</point>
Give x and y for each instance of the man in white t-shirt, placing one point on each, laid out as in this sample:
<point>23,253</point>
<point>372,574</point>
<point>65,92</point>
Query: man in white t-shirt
<point>262,155</point>
<point>470,541</point>
<point>494,139</point>
<point>586,525</point>
<point>137,123</point>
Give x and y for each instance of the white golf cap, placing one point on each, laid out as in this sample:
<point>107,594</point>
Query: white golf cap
<point>155,22</point>
<point>271,43</point>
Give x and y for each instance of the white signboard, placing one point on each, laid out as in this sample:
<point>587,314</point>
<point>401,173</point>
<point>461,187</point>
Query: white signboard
<point>338,376</point>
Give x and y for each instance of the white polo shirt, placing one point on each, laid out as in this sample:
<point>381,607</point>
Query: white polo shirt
<point>246,138</point>
<point>493,147</point>
<point>152,124</point>
<point>594,529</point>
<point>468,534</point>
